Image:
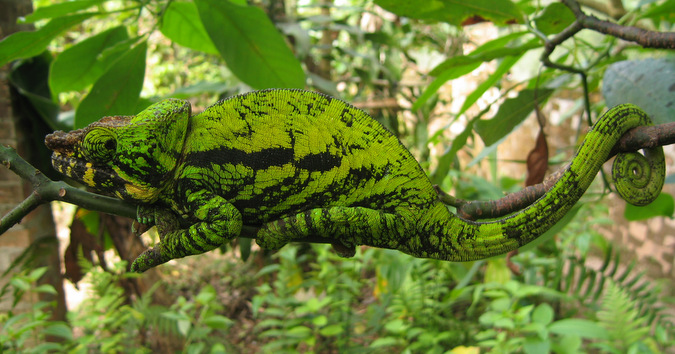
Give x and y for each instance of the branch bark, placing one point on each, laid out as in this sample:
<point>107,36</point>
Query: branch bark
<point>645,38</point>
<point>635,139</point>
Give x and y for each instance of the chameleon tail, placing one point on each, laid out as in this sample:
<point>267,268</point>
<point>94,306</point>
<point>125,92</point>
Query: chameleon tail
<point>455,239</point>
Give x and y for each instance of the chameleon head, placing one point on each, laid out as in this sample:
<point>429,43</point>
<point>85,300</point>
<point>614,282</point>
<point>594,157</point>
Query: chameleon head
<point>130,157</point>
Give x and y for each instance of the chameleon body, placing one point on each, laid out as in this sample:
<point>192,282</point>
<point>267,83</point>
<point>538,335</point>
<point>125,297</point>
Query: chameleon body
<point>296,164</point>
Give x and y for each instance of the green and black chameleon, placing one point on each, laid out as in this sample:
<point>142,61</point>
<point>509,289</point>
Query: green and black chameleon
<point>298,164</point>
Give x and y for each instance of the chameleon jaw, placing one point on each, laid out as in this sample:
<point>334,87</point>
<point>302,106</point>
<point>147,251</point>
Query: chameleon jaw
<point>99,177</point>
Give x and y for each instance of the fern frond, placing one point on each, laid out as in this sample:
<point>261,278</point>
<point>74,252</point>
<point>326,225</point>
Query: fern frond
<point>620,316</point>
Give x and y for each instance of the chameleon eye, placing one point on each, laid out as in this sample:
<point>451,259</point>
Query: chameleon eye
<point>99,145</point>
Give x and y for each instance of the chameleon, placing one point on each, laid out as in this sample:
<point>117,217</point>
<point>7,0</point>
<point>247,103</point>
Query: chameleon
<point>297,164</point>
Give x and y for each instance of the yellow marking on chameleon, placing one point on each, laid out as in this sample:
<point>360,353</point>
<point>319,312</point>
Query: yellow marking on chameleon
<point>138,192</point>
<point>88,176</point>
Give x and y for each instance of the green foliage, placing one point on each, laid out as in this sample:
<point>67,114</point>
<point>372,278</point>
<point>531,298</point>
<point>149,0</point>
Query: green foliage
<point>627,330</point>
<point>453,12</point>
<point>310,299</point>
<point>26,330</point>
<point>105,322</point>
<point>250,45</point>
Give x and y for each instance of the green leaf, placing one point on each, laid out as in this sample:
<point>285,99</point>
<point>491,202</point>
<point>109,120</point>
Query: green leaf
<point>20,284</point>
<point>384,342</point>
<point>497,271</point>
<point>116,91</point>
<point>29,44</point>
<point>495,49</point>
<point>442,78</point>
<point>29,79</point>
<point>454,11</point>
<point>182,25</point>
<point>218,322</point>
<point>460,65</point>
<point>503,67</point>
<point>80,65</point>
<point>331,330</point>
<point>184,327</point>
<point>37,273</point>
<point>250,44</point>
<point>536,345</point>
<point>662,11</point>
<point>46,288</point>
<point>543,314</point>
<point>579,327</point>
<point>511,113</point>
<point>299,332</point>
<point>58,329</point>
<point>396,326</point>
<point>60,10</point>
<point>648,83</point>
<point>663,205</point>
<point>555,18</point>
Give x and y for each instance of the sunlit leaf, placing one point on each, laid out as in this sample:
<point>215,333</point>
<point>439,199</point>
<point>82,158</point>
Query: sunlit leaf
<point>80,65</point>
<point>663,205</point>
<point>511,113</point>
<point>182,25</point>
<point>60,10</point>
<point>29,44</point>
<point>115,92</point>
<point>454,11</point>
<point>555,18</point>
<point>252,47</point>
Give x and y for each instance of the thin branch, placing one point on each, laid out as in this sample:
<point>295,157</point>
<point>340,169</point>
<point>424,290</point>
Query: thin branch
<point>645,38</point>
<point>635,139</point>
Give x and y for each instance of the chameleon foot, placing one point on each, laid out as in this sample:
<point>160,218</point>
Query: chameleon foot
<point>152,257</point>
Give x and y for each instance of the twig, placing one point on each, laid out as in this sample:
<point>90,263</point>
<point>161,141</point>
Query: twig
<point>645,38</point>
<point>635,139</point>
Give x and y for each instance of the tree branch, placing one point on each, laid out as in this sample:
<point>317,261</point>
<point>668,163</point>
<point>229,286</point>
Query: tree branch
<point>635,139</point>
<point>645,38</point>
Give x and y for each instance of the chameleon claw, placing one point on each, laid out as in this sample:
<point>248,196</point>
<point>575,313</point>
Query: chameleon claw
<point>151,258</point>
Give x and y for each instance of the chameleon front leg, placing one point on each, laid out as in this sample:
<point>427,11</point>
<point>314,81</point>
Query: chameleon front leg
<point>217,221</point>
<point>345,227</point>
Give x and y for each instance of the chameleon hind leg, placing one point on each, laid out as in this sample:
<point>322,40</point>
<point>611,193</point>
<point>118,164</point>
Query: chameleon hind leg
<point>344,227</point>
<point>216,221</point>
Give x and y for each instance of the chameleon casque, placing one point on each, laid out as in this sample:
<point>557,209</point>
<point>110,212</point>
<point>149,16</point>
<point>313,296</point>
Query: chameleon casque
<point>298,164</point>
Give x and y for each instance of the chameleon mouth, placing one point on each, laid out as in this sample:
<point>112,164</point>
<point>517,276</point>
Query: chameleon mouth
<point>99,177</point>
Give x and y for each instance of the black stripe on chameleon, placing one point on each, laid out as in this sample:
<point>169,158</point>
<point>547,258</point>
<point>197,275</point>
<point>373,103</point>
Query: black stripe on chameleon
<point>263,159</point>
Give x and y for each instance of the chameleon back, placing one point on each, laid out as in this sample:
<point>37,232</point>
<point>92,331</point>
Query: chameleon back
<point>276,152</point>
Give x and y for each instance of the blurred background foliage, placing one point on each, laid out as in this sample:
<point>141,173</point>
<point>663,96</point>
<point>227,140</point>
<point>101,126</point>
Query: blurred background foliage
<point>452,80</point>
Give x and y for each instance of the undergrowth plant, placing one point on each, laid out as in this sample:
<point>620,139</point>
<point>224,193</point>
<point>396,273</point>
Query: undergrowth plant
<point>308,299</point>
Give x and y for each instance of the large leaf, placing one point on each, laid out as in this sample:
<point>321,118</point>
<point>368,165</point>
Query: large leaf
<point>447,75</point>
<point>454,11</point>
<point>555,18</point>
<point>116,91</point>
<point>511,113</point>
<point>648,83</point>
<point>486,53</point>
<point>663,205</point>
<point>60,9</point>
<point>458,65</point>
<point>29,44</point>
<point>250,44</point>
<point>578,327</point>
<point>80,65</point>
<point>182,25</point>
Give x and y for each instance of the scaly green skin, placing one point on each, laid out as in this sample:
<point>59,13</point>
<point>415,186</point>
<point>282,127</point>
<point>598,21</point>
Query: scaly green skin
<point>299,164</point>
